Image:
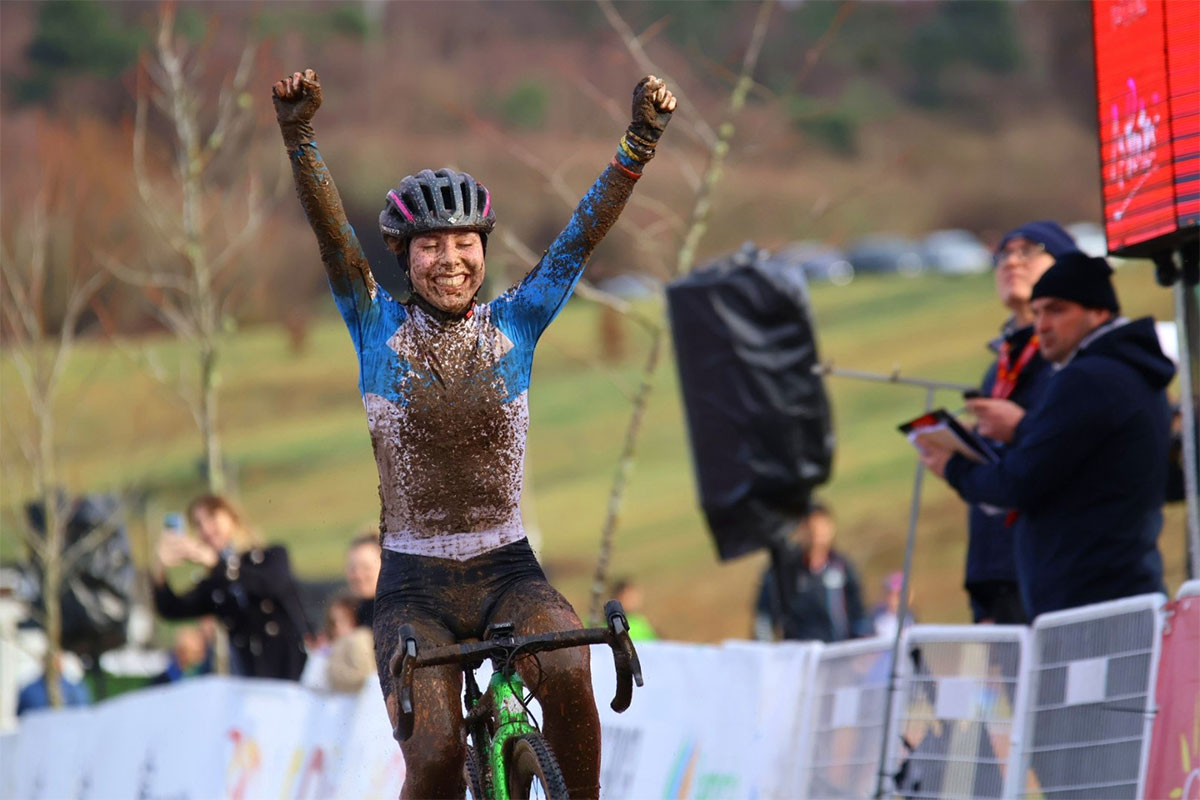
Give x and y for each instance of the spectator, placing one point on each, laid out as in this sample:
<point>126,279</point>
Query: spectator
<point>886,614</point>
<point>822,598</point>
<point>191,655</point>
<point>1087,468</point>
<point>629,595</point>
<point>250,589</point>
<point>347,658</point>
<point>363,559</point>
<point>1014,382</point>
<point>36,695</point>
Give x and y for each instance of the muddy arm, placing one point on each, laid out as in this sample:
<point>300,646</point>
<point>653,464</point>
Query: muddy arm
<point>296,100</point>
<point>544,291</point>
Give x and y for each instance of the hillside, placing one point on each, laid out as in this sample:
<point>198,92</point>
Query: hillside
<point>294,429</point>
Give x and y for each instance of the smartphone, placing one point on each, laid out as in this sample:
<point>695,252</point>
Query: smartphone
<point>173,523</point>
<point>972,394</point>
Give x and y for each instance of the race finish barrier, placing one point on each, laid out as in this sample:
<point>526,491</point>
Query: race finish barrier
<point>959,711</point>
<point>1062,709</point>
<point>1092,699</point>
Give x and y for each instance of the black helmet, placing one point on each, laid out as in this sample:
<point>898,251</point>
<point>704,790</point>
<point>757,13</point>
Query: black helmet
<point>437,201</point>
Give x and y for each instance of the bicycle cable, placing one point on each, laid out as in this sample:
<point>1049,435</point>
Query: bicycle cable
<point>509,666</point>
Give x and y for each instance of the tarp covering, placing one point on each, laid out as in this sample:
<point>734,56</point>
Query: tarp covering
<point>758,417</point>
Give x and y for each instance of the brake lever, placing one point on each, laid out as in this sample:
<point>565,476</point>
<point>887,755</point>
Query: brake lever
<point>625,659</point>
<point>402,665</point>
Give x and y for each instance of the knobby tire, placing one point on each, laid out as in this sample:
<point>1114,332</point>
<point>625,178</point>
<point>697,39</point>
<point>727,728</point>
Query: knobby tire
<point>531,760</point>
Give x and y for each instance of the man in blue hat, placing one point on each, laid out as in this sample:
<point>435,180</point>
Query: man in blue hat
<point>1013,382</point>
<point>1086,470</point>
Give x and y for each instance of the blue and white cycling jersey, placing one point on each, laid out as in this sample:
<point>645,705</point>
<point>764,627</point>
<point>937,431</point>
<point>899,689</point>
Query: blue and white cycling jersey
<point>447,401</point>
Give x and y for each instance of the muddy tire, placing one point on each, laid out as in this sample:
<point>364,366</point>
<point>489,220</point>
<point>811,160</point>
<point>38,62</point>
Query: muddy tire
<point>473,773</point>
<point>533,770</point>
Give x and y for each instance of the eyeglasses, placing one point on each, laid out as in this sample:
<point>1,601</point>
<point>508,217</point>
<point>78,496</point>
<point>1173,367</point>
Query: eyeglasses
<point>1022,252</point>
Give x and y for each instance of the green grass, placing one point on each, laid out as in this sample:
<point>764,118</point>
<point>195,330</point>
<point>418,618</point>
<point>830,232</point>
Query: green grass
<point>294,428</point>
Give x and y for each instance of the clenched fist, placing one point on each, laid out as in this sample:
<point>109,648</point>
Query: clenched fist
<point>297,99</point>
<point>653,104</point>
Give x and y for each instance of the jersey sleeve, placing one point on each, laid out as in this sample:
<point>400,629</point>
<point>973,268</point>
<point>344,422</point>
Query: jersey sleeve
<point>533,304</point>
<point>350,279</point>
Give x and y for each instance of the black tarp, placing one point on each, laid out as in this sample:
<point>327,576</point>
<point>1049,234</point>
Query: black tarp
<point>96,595</point>
<point>758,417</point>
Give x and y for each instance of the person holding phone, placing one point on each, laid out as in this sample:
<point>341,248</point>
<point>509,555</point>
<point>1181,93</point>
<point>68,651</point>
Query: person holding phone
<point>250,589</point>
<point>1013,382</point>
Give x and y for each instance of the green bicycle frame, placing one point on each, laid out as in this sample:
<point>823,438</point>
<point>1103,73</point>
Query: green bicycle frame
<point>505,693</point>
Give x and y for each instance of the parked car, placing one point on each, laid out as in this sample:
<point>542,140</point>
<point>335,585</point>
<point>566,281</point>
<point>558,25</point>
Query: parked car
<point>820,262</point>
<point>630,286</point>
<point>956,252</point>
<point>1090,237</point>
<point>886,253</point>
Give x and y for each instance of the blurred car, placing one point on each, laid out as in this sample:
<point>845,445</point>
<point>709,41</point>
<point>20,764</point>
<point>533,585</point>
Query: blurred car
<point>955,252</point>
<point>630,286</point>
<point>819,261</point>
<point>1090,237</point>
<point>886,253</point>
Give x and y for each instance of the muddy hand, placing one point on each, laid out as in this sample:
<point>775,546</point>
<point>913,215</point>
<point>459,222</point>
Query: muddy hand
<point>297,98</point>
<point>653,105</point>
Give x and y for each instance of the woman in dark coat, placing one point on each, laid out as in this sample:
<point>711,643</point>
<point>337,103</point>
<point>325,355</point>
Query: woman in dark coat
<point>250,589</point>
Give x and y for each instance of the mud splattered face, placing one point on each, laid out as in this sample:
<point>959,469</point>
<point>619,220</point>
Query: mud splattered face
<point>447,268</point>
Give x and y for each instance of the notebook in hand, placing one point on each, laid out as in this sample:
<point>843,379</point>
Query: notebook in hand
<point>940,427</point>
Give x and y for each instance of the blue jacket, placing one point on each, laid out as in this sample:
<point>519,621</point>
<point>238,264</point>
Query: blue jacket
<point>35,695</point>
<point>990,541</point>
<point>1087,473</point>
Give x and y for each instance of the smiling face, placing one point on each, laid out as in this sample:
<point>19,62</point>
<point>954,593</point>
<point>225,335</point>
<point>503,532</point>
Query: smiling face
<point>447,268</point>
<point>1062,324</point>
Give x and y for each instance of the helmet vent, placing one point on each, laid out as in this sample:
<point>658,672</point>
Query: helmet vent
<point>466,198</point>
<point>448,198</point>
<point>427,193</point>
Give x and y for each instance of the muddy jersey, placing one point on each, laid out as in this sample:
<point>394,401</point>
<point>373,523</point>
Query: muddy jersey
<point>447,401</point>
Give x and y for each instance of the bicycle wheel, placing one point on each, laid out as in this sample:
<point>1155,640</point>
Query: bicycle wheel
<point>533,771</point>
<point>473,773</point>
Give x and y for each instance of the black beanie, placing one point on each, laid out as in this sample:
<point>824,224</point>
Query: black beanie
<point>1081,279</point>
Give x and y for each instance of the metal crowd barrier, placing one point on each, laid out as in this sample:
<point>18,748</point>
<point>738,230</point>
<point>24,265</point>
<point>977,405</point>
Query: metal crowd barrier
<point>1092,686</point>
<point>845,714</point>
<point>957,715</point>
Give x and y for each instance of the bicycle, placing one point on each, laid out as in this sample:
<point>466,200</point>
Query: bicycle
<point>507,757</point>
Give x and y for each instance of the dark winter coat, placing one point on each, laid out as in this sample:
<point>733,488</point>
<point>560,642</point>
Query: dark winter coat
<point>990,551</point>
<point>1086,474</point>
<point>825,605</point>
<point>254,595</point>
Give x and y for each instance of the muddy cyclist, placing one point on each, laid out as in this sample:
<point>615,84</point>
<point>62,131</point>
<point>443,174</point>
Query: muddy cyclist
<point>445,381</point>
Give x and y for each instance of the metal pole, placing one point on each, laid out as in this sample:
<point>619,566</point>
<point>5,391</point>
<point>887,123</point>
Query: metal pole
<point>902,613</point>
<point>1187,323</point>
<point>893,377</point>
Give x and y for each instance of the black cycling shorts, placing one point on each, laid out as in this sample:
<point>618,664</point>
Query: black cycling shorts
<point>457,598</point>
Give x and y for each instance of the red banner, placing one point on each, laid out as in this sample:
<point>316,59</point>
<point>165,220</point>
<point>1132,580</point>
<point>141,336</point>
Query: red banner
<point>1174,768</point>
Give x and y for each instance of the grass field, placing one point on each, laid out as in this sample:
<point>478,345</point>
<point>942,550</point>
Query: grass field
<point>295,431</point>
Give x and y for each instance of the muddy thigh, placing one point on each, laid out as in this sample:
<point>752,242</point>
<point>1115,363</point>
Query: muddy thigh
<point>562,684</point>
<point>433,755</point>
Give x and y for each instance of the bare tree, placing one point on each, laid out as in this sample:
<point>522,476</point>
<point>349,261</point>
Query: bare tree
<point>202,220</point>
<point>42,301</point>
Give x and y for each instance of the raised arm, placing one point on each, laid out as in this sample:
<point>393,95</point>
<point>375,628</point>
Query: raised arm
<point>544,291</point>
<point>297,99</point>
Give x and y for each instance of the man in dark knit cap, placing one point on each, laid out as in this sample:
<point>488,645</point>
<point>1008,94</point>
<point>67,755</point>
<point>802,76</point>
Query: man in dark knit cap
<point>1013,383</point>
<point>1087,467</point>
